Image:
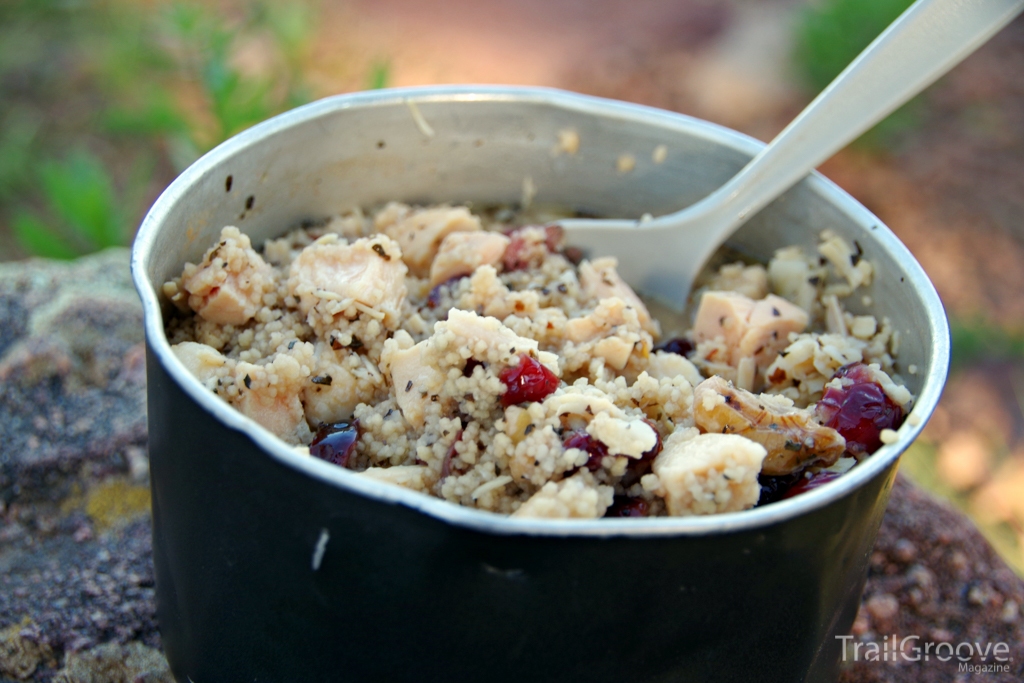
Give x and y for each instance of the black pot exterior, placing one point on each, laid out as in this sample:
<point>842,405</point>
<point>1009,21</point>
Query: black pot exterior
<point>274,567</point>
<point>402,596</point>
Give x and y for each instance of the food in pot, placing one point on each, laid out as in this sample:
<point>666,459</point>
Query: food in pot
<point>477,359</point>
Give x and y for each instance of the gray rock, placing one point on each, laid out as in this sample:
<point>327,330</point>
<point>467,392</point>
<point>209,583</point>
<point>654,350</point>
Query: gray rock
<point>112,663</point>
<point>72,371</point>
<point>75,548</point>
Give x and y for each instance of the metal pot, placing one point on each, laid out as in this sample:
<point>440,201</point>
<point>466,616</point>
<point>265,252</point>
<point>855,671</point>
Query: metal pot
<point>271,566</point>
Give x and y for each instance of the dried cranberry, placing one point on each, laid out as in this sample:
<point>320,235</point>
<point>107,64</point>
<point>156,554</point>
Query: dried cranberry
<point>859,411</point>
<point>808,483</point>
<point>517,253</point>
<point>528,381</point>
<point>574,255</point>
<point>515,257</point>
<point>554,238</point>
<point>335,442</point>
<point>679,345</point>
<point>623,506</point>
<point>595,449</point>
<point>774,488</point>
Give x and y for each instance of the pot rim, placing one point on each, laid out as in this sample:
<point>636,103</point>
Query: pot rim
<point>488,522</point>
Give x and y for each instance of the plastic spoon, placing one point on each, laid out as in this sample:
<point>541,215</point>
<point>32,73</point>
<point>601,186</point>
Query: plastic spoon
<point>925,42</point>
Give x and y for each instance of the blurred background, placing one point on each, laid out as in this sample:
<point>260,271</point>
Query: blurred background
<point>103,102</point>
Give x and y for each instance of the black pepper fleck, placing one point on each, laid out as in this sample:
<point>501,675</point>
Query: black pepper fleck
<point>248,382</point>
<point>380,252</point>
<point>408,386</point>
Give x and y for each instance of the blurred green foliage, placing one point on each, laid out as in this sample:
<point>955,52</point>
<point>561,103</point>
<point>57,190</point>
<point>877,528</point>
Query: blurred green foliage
<point>106,98</point>
<point>380,75</point>
<point>80,199</point>
<point>977,340</point>
<point>830,34</point>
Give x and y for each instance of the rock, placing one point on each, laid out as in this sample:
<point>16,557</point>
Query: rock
<point>72,370</point>
<point>934,576</point>
<point>111,663</point>
<point>75,549</point>
<point>23,650</point>
<point>78,594</point>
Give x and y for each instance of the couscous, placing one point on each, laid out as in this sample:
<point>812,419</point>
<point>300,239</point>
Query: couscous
<point>473,358</point>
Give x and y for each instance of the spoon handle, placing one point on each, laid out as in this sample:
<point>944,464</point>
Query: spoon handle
<point>925,42</point>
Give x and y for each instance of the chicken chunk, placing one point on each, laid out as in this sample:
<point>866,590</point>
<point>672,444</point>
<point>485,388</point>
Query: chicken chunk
<point>708,473</point>
<point>419,232</point>
<point>201,360</point>
<point>270,392</point>
<point>631,436</point>
<point>750,329</point>
<point>461,253</point>
<point>578,497</point>
<point>227,287</point>
<point>600,280</point>
<point>415,477</point>
<point>663,364</point>
<point>414,375</point>
<point>793,438</point>
<point>330,275</point>
<point>341,380</point>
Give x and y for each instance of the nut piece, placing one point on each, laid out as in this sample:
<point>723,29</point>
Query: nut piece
<point>419,232</point>
<point>708,473</point>
<point>793,438</point>
<point>461,253</point>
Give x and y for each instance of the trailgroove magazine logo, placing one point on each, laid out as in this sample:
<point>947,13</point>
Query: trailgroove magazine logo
<point>971,657</point>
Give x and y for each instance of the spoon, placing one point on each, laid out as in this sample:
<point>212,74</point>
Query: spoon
<point>925,42</point>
